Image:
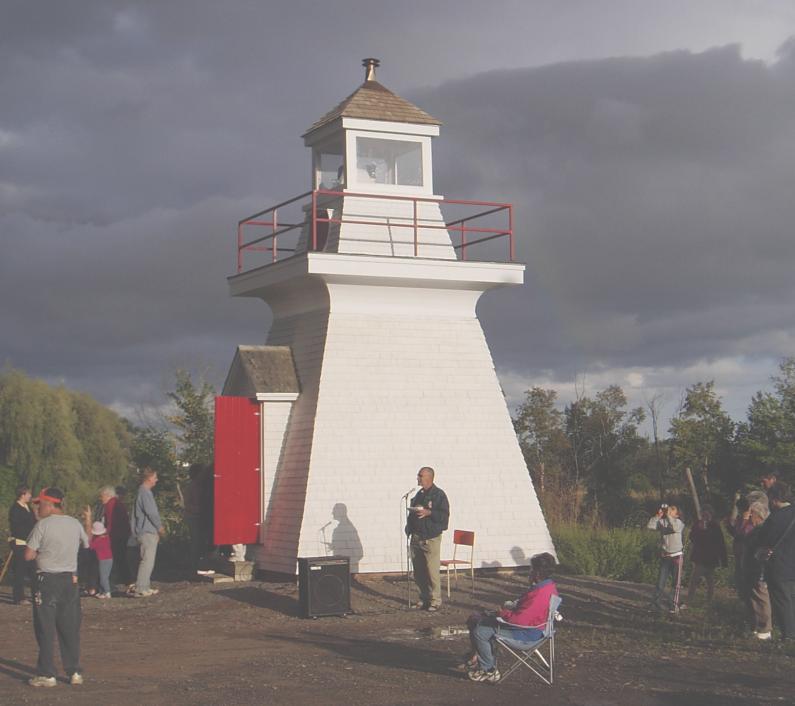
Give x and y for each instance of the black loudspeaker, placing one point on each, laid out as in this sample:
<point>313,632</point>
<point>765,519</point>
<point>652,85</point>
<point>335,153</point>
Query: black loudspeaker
<point>324,585</point>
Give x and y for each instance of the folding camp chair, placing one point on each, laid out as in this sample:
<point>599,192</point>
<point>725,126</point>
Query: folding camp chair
<point>461,538</point>
<point>530,654</point>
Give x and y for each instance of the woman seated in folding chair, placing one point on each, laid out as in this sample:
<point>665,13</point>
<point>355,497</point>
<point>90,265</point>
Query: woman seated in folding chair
<point>527,617</point>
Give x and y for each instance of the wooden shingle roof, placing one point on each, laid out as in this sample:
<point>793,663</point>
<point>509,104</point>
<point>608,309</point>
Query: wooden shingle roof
<point>261,369</point>
<point>371,101</point>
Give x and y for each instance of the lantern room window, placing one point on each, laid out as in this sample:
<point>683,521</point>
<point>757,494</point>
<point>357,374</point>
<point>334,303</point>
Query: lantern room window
<point>381,161</point>
<point>329,167</point>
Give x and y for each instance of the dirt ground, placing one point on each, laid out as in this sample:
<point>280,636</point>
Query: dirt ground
<point>245,644</point>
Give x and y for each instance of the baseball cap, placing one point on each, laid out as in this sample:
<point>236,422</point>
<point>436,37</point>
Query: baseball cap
<point>53,495</point>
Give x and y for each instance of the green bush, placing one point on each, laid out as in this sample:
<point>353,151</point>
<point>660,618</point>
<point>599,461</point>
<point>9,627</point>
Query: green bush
<point>8,484</point>
<point>623,554</point>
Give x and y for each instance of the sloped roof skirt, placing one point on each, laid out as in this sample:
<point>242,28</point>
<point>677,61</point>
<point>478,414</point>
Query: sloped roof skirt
<point>372,101</point>
<point>261,369</point>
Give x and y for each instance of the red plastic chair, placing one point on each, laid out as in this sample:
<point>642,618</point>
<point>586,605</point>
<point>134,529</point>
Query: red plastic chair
<point>461,538</point>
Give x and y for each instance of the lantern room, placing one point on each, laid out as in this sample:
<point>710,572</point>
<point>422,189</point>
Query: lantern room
<point>374,141</point>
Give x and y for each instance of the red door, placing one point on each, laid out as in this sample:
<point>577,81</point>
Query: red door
<point>237,471</point>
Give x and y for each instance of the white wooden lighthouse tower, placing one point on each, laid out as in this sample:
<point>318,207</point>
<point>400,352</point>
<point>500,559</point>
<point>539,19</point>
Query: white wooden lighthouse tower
<point>376,307</point>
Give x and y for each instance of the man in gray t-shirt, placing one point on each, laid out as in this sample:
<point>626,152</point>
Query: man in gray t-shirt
<point>147,528</point>
<point>53,543</point>
<point>56,539</point>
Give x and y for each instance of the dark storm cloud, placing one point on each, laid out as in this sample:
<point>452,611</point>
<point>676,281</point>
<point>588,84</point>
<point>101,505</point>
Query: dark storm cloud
<point>654,194</point>
<point>654,202</point>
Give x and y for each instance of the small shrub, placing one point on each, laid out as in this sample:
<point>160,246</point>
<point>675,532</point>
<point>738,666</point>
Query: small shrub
<point>618,553</point>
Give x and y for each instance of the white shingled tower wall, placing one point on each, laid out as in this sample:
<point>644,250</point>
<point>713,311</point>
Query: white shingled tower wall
<point>395,373</point>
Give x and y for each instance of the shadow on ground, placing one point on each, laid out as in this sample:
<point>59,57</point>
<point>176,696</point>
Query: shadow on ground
<point>262,598</point>
<point>379,653</point>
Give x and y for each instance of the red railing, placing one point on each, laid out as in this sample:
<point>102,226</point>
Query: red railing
<point>323,199</point>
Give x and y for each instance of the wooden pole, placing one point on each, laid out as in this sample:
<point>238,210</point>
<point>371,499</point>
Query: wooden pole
<point>693,491</point>
<point>6,565</point>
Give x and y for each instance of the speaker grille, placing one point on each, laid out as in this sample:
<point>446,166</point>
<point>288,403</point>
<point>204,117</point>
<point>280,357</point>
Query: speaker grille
<point>324,586</point>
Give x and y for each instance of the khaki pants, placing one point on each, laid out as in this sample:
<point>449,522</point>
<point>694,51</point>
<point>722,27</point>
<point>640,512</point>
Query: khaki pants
<point>759,601</point>
<point>148,544</point>
<point>425,558</point>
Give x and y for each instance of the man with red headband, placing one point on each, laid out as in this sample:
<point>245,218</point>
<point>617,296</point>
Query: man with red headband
<point>53,543</point>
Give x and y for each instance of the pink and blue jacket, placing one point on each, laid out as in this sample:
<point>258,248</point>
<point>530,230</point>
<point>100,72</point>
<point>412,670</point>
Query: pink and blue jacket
<point>532,609</point>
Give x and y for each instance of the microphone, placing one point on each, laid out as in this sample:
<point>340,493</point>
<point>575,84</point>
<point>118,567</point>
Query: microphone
<point>328,524</point>
<point>410,492</point>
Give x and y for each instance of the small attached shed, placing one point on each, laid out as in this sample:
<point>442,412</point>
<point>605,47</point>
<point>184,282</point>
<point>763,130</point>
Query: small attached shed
<point>251,417</point>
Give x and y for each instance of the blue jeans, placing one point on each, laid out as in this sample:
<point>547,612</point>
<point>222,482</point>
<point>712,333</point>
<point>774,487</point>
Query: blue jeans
<point>483,632</point>
<point>105,565</point>
<point>670,570</point>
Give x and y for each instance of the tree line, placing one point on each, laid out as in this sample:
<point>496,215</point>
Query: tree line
<point>50,435</point>
<point>589,460</point>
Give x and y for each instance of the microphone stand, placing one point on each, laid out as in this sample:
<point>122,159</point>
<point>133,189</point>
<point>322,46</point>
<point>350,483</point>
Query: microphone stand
<point>406,511</point>
<point>408,553</point>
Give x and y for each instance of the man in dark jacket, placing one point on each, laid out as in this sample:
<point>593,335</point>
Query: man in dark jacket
<point>428,517</point>
<point>778,535</point>
<point>20,523</point>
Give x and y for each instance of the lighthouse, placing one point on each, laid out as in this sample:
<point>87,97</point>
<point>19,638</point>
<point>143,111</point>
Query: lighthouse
<point>376,363</point>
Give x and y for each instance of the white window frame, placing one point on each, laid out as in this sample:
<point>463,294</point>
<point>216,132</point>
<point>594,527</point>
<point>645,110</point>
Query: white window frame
<point>353,184</point>
<point>323,146</point>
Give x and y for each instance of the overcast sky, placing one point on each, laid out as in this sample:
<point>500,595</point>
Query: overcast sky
<point>648,147</point>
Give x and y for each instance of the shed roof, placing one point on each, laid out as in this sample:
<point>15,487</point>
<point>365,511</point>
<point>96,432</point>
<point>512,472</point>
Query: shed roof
<point>372,101</point>
<point>261,369</point>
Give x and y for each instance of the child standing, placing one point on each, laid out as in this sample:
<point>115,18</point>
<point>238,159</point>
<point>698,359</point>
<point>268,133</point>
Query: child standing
<point>100,544</point>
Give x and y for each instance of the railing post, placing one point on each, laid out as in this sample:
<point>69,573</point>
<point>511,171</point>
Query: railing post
<point>510,232</point>
<point>273,239</point>
<point>239,247</point>
<point>416,243</point>
<point>463,242</point>
<point>314,221</point>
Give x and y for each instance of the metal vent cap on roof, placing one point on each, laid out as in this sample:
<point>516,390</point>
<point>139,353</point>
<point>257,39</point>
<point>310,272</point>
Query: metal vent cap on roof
<point>370,65</point>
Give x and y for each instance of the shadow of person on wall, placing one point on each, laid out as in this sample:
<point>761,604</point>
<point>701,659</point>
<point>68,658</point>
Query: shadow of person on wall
<point>345,539</point>
<point>519,557</point>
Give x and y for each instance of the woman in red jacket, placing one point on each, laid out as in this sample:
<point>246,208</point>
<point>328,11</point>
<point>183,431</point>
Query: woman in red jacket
<point>523,620</point>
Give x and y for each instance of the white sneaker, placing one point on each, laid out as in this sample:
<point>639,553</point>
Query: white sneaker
<point>764,635</point>
<point>43,681</point>
<point>76,679</point>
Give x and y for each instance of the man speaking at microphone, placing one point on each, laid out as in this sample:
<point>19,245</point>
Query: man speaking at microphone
<point>428,517</point>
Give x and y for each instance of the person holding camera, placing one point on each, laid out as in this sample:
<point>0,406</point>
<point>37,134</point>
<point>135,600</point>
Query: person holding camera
<point>670,527</point>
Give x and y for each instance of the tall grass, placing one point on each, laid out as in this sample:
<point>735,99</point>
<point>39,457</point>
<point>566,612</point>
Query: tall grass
<point>620,553</point>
